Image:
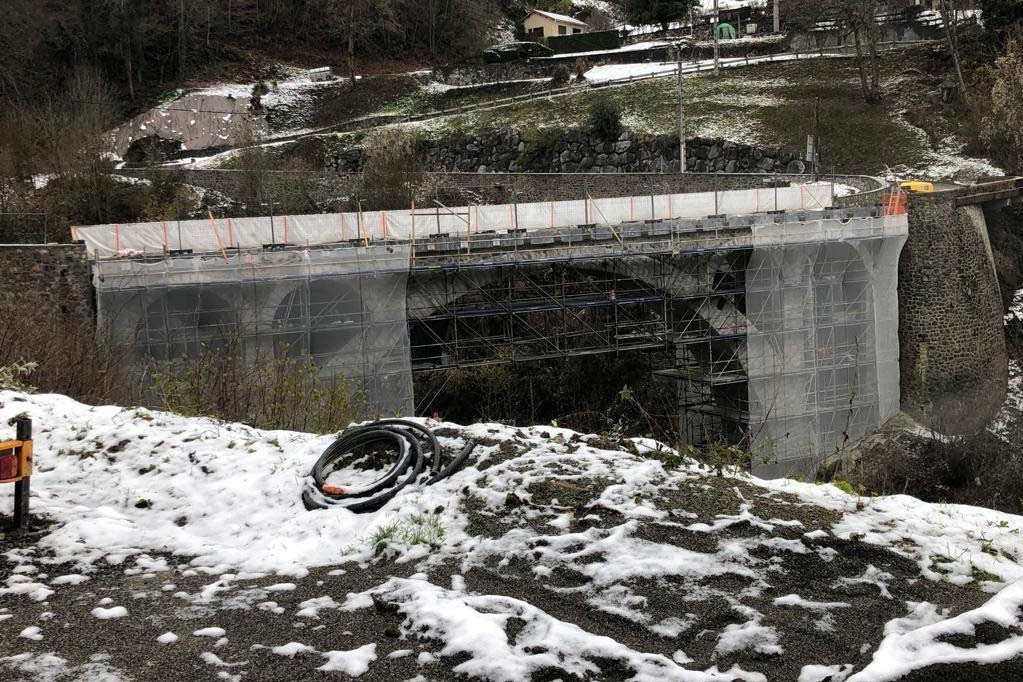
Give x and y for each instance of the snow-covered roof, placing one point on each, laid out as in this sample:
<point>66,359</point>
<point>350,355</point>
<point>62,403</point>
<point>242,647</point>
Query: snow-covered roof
<point>562,18</point>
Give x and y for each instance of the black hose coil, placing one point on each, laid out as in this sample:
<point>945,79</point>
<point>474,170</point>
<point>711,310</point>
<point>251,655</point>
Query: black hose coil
<point>418,454</point>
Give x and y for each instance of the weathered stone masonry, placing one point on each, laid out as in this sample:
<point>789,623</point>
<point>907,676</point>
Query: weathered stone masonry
<point>952,342</point>
<point>53,278</point>
<point>579,151</point>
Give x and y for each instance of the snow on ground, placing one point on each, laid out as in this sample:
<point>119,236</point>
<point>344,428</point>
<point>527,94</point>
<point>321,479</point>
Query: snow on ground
<point>219,115</point>
<point>611,72</point>
<point>948,162</point>
<point>549,551</point>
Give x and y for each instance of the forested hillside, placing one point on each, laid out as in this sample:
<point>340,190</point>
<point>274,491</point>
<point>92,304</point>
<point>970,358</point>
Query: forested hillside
<point>143,46</point>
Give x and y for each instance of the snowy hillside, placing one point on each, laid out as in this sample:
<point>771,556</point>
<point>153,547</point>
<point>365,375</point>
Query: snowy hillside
<point>179,549</point>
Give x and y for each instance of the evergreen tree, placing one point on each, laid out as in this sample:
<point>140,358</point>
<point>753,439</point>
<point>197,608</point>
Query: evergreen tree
<point>1001,17</point>
<point>661,12</point>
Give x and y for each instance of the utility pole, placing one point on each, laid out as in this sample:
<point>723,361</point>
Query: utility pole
<point>777,16</point>
<point>813,144</point>
<point>717,48</point>
<point>681,112</point>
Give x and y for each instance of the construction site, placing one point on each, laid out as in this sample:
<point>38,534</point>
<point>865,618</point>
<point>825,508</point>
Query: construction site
<point>773,311</point>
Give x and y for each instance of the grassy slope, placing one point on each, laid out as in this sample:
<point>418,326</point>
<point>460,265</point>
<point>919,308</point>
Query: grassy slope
<point>767,105</point>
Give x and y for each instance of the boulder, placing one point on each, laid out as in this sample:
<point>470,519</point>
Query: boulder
<point>796,167</point>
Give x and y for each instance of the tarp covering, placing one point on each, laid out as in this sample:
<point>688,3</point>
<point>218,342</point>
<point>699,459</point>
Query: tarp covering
<point>345,309</point>
<point>822,340</point>
<point>108,241</point>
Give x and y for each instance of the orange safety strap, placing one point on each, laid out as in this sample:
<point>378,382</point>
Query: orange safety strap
<point>216,235</point>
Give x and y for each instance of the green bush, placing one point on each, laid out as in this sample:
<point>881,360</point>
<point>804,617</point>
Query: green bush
<point>605,119</point>
<point>561,75</point>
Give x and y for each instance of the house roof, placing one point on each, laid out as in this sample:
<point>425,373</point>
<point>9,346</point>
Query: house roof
<point>559,17</point>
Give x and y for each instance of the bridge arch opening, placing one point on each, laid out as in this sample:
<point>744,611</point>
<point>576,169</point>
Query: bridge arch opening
<point>182,321</point>
<point>319,319</point>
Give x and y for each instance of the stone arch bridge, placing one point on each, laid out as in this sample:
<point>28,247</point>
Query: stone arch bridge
<point>780,327</point>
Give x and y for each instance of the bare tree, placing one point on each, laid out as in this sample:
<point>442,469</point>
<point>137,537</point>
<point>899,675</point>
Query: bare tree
<point>356,19</point>
<point>859,19</point>
<point>949,16</point>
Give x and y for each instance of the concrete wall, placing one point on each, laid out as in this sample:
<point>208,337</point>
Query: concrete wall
<point>54,278</point>
<point>952,341</point>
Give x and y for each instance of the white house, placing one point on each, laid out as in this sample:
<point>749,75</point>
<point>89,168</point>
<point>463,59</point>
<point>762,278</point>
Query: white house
<point>541,25</point>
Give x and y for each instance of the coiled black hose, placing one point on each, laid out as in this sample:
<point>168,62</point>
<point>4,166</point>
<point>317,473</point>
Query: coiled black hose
<point>418,454</point>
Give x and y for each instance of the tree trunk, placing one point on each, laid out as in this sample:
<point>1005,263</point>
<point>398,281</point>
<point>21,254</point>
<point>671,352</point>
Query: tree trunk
<point>351,44</point>
<point>181,39</point>
<point>875,67</point>
<point>129,69</point>
<point>952,37</point>
<point>859,65</point>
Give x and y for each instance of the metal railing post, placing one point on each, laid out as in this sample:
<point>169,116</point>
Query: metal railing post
<point>22,488</point>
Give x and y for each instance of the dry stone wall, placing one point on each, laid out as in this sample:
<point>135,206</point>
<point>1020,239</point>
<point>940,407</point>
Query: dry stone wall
<point>581,151</point>
<point>51,278</point>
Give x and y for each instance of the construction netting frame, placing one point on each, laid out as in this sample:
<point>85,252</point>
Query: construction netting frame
<point>220,234</point>
<point>344,309</point>
<point>822,347</point>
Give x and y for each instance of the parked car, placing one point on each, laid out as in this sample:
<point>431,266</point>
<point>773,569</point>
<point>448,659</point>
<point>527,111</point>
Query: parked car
<point>513,52</point>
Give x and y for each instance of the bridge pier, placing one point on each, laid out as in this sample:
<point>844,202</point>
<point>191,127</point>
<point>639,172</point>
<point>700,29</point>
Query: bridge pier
<point>951,330</point>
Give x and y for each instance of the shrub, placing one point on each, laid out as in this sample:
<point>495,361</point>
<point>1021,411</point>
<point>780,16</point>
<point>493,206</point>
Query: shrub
<point>12,377</point>
<point>581,67</point>
<point>605,119</point>
<point>266,391</point>
<point>391,171</point>
<point>1003,127</point>
<point>561,75</point>
<point>57,353</point>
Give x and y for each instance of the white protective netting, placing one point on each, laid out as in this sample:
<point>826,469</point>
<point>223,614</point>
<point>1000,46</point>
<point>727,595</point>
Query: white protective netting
<point>345,309</point>
<point>202,236</point>
<point>822,347</point>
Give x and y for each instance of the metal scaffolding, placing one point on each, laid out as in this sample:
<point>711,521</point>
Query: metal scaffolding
<point>779,332</point>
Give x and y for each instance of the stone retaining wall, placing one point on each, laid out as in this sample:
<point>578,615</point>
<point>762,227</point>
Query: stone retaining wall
<point>579,151</point>
<point>52,278</point>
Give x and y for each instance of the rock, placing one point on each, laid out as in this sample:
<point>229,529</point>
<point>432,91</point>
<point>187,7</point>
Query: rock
<point>765,163</point>
<point>730,166</point>
<point>586,163</point>
<point>796,167</point>
<point>482,169</point>
<point>714,152</point>
<point>623,146</point>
